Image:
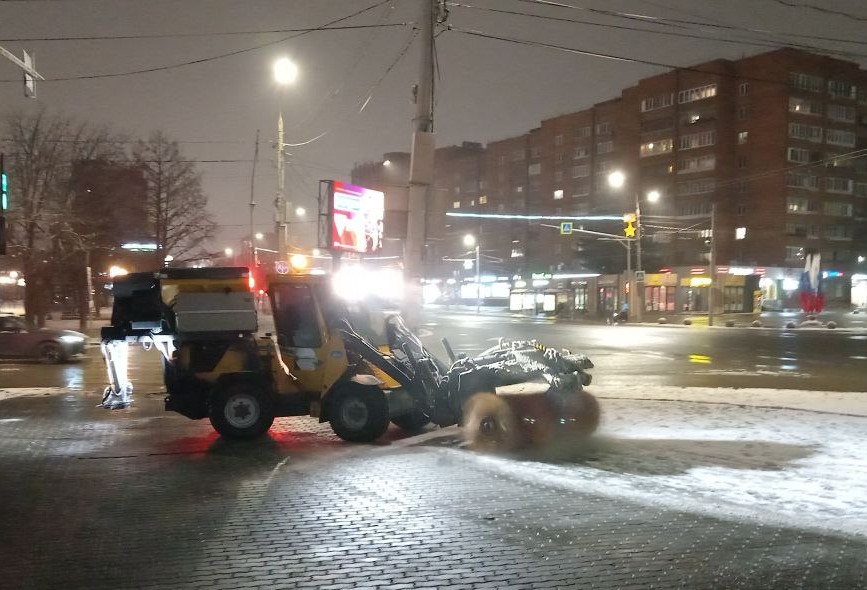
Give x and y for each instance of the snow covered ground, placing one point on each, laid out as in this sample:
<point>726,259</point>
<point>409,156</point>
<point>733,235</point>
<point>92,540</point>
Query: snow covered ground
<point>724,452</point>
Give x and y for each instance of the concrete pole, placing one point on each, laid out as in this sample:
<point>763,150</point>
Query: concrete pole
<point>639,295</point>
<point>712,286</point>
<point>280,201</point>
<point>253,200</point>
<point>478,278</point>
<point>628,275</point>
<point>421,166</point>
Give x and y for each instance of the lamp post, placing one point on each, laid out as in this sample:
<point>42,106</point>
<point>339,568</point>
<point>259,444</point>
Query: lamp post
<point>285,73</point>
<point>617,180</point>
<point>471,241</point>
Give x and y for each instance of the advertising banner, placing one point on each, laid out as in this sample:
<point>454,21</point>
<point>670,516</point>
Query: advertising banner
<point>356,218</point>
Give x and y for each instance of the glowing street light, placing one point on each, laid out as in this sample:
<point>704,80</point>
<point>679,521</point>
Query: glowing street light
<point>469,240</point>
<point>260,236</point>
<point>387,163</point>
<point>653,196</point>
<point>117,271</point>
<point>298,261</point>
<point>285,71</point>
<point>300,211</point>
<point>616,179</point>
<point>228,252</point>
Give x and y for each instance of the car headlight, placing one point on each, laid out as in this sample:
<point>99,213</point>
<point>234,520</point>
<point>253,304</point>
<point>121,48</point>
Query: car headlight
<point>71,339</point>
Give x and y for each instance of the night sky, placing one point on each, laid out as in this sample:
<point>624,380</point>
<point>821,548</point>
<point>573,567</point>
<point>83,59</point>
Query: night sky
<point>488,89</point>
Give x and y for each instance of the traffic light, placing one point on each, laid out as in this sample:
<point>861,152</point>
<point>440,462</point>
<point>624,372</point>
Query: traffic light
<point>629,220</point>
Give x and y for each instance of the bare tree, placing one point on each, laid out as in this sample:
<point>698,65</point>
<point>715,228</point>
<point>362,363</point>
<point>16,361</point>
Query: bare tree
<point>47,232</point>
<point>177,206</point>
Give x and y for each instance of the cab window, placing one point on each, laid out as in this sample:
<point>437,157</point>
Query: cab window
<point>295,316</point>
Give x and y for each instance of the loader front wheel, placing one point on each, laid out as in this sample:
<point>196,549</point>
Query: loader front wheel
<point>358,413</point>
<point>489,424</point>
<point>241,410</point>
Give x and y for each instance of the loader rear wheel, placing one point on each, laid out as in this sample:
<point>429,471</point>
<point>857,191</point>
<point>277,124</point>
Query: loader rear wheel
<point>358,413</point>
<point>586,413</point>
<point>241,410</point>
<point>489,424</point>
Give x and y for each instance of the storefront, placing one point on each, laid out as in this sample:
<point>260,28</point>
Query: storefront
<point>608,294</point>
<point>859,291</point>
<point>660,291</point>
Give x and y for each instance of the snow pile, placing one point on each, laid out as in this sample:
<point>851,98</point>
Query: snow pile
<point>805,468</point>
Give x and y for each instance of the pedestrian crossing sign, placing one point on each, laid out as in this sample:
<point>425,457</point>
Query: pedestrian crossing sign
<point>566,228</point>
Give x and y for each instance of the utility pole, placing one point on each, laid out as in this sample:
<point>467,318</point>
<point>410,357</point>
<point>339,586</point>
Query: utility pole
<point>712,286</point>
<point>478,277</point>
<point>253,201</point>
<point>639,295</point>
<point>280,201</point>
<point>628,275</point>
<point>421,163</point>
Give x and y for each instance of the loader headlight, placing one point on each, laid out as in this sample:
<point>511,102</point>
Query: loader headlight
<point>69,338</point>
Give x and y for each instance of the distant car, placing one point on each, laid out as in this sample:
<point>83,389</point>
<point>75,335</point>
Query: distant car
<point>47,345</point>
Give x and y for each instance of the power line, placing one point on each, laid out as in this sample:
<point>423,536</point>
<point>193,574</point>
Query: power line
<point>675,22</point>
<point>196,35</point>
<point>667,33</point>
<point>213,57</point>
<point>613,57</point>
<point>822,9</point>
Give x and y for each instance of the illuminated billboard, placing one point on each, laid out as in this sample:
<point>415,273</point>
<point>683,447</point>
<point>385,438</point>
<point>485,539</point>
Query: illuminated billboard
<point>356,218</point>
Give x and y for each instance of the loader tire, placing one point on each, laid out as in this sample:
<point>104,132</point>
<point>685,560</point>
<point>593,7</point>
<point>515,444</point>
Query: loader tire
<point>490,425</point>
<point>413,422</point>
<point>358,413</point>
<point>241,410</point>
<point>585,413</point>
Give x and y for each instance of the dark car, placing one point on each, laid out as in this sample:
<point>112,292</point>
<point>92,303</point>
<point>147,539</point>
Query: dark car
<point>47,345</point>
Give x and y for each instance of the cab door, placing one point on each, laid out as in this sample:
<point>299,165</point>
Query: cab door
<point>301,335</point>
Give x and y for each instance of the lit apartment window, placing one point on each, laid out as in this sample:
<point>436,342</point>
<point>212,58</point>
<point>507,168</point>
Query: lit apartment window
<point>657,102</point>
<point>743,136</point>
<point>701,164</point>
<point>697,140</point>
<point>794,253</point>
<point>840,137</point>
<point>841,112</point>
<point>694,94</point>
<point>806,132</point>
<point>802,106</point>
<point>483,200</point>
<point>806,82</point>
<point>580,152</point>
<point>603,128</point>
<point>800,205</point>
<point>805,181</point>
<point>456,205</point>
<point>558,194</point>
<point>582,171</point>
<point>838,209</point>
<point>519,188</point>
<point>743,88</point>
<point>740,233</point>
<point>839,89</point>
<point>839,185</point>
<point>604,147</point>
<point>654,148</point>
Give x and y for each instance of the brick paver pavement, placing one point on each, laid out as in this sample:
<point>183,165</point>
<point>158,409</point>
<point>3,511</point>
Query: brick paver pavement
<point>144,500</point>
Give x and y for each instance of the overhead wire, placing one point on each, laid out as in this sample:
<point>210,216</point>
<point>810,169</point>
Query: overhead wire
<point>822,9</point>
<point>667,33</point>
<point>675,22</point>
<point>212,58</point>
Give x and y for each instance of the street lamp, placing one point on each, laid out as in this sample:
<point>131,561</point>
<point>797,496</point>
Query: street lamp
<point>260,236</point>
<point>617,180</point>
<point>387,163</point>
<point>228,252</point>
<point>300,211</point>
<point>285,73</point>
<point>470,241</point>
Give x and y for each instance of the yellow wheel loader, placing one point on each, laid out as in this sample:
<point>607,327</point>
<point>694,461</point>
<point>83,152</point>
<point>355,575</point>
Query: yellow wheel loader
<point>347,363</point>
